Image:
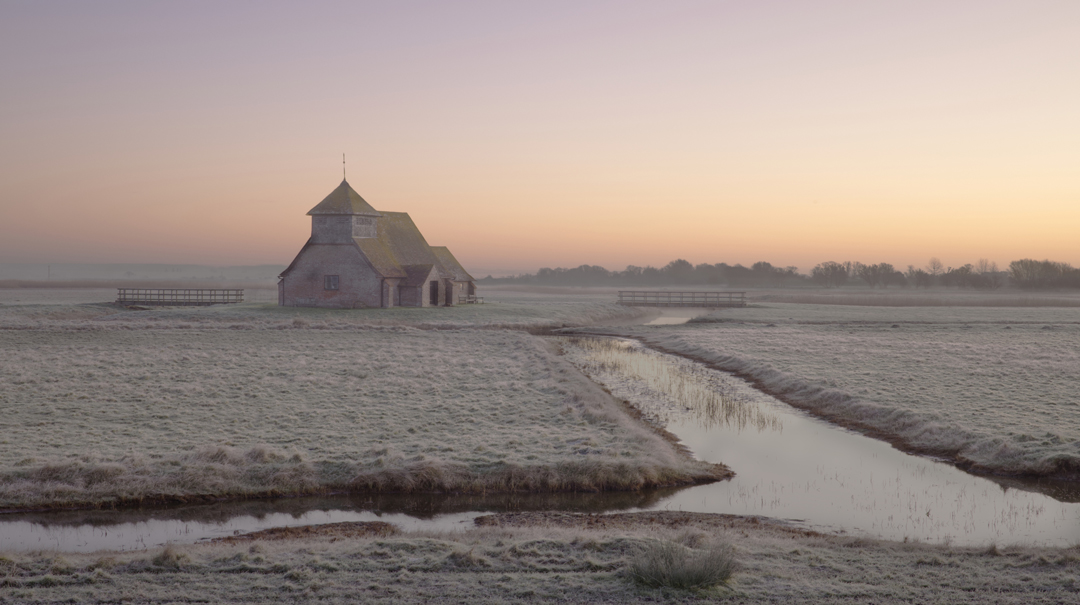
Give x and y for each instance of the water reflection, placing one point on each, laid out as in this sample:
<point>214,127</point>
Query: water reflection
<point>828,477</point>
<point>139,528</point>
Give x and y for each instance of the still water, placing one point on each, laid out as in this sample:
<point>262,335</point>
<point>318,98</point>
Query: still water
<point>140,528</point>
<point>790,465</point>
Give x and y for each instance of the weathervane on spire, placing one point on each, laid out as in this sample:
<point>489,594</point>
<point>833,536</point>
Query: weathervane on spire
<point>343,167</point>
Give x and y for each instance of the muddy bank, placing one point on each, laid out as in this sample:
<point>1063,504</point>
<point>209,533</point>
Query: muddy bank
<point>666,519</point>
<point>334,531</point>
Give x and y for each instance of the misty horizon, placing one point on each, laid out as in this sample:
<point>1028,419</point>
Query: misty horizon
<point>525,136</point>
<point>983,274</point>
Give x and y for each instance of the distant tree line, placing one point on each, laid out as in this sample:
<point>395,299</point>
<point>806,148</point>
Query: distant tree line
<point>1028,273</point>
<point>984,274</point>
<point>676,273</point>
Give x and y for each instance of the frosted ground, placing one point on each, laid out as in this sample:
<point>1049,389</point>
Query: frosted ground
<point>541,557</point>
<point>993,389</point>
<point>91,308</point>
<point>98,414</point>
<point>107,404</point>
<point>568,559</point>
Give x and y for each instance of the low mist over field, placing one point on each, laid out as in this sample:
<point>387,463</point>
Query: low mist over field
<point>11,274</point>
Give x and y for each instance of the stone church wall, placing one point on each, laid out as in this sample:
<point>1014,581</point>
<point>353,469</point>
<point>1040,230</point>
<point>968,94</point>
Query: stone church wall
<point>358,284</point>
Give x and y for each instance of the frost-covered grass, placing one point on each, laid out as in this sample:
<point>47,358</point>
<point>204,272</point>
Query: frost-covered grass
<point>549,558</point>
<point>935,297</point>
<point>994,389</point>
<point>104,415</point>
<point>71,309</point>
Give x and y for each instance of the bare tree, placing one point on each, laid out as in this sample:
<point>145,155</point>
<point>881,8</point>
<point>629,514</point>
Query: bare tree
<point>917,277</point>
<point>934,267</point>
<point>865,272</point>
<point>985,266</point>
<point>830,274</point>
<point>1029,273</point>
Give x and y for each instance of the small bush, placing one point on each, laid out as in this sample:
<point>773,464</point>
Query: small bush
<point>670,565</point>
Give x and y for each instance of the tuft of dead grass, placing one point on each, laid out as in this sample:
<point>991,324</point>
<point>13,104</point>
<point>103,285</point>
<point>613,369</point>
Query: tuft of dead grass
<point>171,557</point>
<point>664,564</point>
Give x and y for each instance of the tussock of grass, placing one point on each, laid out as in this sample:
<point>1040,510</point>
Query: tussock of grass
<point>171,557</point>
<point>664,564</point>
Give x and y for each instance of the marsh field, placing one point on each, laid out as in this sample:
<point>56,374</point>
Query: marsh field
<point>108,408</point>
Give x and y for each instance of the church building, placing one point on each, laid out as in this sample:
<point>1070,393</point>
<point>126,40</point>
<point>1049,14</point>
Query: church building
<point>360,257</point>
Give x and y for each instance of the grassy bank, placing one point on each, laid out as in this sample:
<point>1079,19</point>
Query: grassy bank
<point>546,557</point>
<point>990,389</point>
<point>113,416</point>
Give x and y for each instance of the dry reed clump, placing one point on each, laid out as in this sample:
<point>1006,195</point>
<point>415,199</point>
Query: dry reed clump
<point>663,564</point>
<point>712,403</point>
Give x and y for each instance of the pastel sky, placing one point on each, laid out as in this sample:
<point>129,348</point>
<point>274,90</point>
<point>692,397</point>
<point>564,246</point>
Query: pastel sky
<point>531,134</point>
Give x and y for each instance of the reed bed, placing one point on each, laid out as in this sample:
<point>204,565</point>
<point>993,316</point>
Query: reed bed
<point>678,388</point>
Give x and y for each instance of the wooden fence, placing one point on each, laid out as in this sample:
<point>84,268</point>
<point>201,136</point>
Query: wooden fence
<point>470,300</point>
<point>641,298</point>
<point>177,297</point>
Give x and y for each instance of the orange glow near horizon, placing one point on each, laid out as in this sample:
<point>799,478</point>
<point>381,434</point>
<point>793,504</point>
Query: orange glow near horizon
<point>525,136</point>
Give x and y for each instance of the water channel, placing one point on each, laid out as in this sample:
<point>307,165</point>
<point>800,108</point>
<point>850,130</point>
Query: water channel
<point>789,465</point>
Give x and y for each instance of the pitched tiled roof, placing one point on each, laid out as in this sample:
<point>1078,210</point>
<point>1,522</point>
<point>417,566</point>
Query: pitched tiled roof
<point>398,245</point>
<point>379,256</point>
<point>450,264</point>
<point>344,200</point>
<point>399,234</point>
<point>418,274</point>
<point>398,249</point>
